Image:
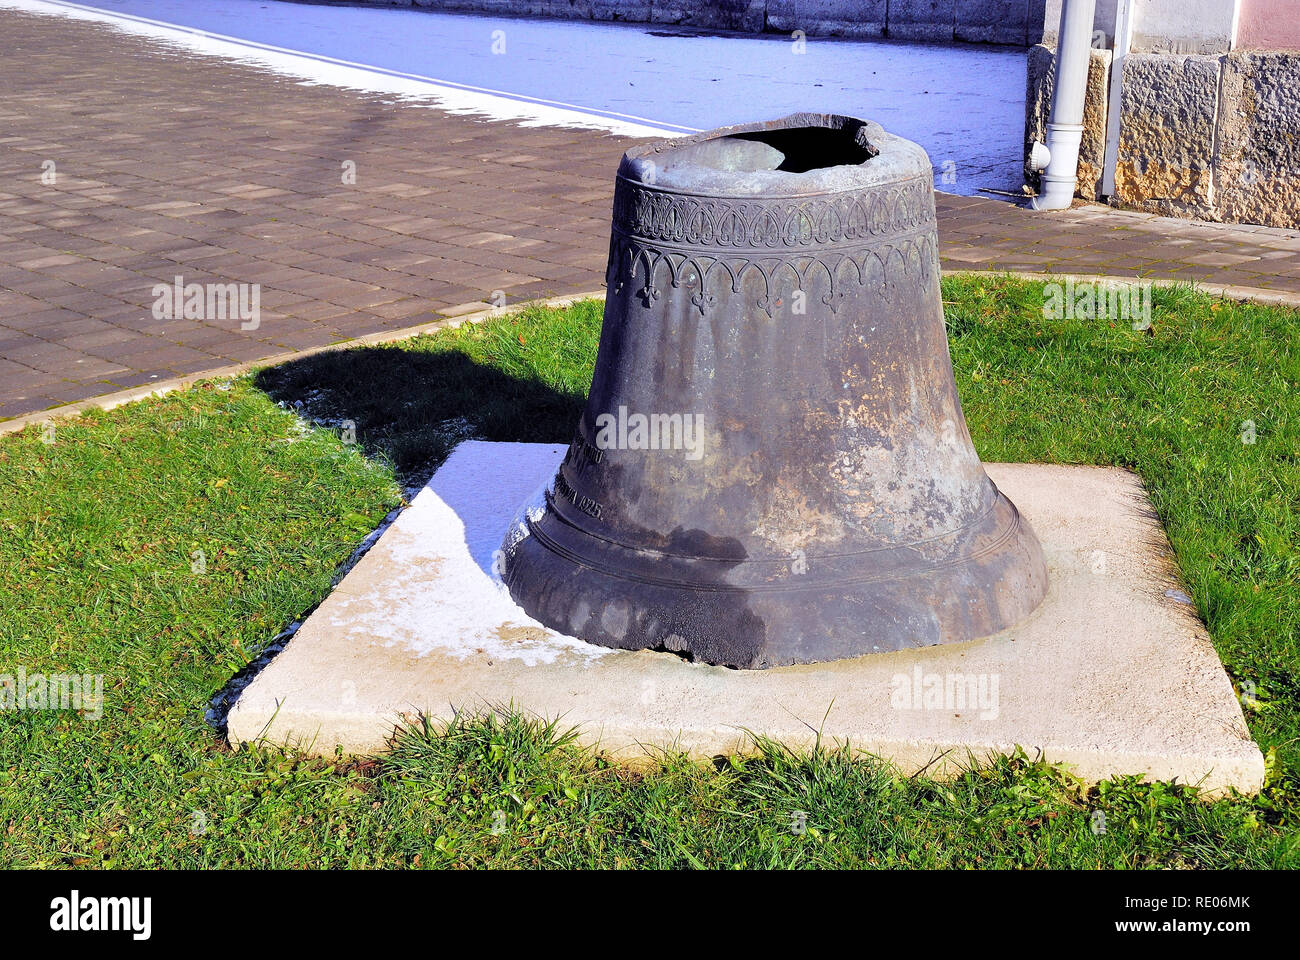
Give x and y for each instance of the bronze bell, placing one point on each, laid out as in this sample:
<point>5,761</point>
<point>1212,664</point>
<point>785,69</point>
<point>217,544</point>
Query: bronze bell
<point>773,466</point>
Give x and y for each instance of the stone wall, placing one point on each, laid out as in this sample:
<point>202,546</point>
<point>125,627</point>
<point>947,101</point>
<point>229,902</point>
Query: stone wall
<point>1168,111</point>
<point>1038,102</point>
<point>1212,137</point>
<point>1008,22</point>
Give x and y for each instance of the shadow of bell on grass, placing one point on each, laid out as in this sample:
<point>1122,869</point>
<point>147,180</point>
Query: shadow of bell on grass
<point>410,406</point>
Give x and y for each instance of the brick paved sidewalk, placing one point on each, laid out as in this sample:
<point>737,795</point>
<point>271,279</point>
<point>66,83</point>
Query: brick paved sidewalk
<point>169,164</point>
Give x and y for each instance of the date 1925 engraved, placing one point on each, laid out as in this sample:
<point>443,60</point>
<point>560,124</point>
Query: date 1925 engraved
<point>586,504</point>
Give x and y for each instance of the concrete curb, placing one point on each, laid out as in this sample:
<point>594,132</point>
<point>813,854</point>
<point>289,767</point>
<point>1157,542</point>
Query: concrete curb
<point>1231,292</point>
<point>110,400</point>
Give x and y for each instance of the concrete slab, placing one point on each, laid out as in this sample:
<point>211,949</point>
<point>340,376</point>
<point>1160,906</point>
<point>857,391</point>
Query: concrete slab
<point>1110,675</point>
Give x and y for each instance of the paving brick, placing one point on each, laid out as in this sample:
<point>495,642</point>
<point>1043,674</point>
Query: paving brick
<point>18,406</point>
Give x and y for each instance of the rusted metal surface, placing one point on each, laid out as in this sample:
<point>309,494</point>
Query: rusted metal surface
<point>813,494</point>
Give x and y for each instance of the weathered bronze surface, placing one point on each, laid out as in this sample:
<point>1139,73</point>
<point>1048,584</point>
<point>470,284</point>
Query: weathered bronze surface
<point>775,289</point>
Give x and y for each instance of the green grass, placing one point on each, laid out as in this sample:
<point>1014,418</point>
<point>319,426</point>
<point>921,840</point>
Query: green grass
<point>99,532</point>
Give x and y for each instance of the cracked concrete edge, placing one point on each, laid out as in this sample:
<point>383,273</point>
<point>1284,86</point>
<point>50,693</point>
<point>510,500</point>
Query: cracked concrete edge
<point>110,400</point>
<point>447,321</point>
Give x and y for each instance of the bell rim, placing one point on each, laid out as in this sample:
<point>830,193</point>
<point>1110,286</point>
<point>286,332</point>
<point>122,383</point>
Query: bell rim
<point>824,624</point>
<point>1015,528</point>
<point>892,160</point>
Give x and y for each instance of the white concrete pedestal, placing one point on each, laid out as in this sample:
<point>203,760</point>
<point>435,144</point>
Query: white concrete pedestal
<point>1110,675</point>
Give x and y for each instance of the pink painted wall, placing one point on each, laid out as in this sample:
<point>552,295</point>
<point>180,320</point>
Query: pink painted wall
<point>1268,25</point>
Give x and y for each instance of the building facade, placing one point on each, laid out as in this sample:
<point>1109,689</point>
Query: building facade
<point>1193,107</point>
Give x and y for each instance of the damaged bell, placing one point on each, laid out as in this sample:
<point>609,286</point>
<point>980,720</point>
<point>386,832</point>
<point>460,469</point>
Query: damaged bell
<point>773,466</point>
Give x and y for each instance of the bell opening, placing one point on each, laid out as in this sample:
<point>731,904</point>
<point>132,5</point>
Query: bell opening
<point>800,149</point>
<point>796,149</point>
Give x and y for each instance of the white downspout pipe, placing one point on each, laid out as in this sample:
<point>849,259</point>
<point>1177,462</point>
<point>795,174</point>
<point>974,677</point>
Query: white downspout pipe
<point>1065,129</point>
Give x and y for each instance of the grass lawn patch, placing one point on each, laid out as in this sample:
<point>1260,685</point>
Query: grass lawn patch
<point>165,543</point>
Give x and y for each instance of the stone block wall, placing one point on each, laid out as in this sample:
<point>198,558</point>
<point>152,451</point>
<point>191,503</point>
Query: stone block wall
<point>1041,74</point>
<point>865,18</point>
<point>1007,22</point>
<point>1257,139</point>
<point>1168,114</point>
